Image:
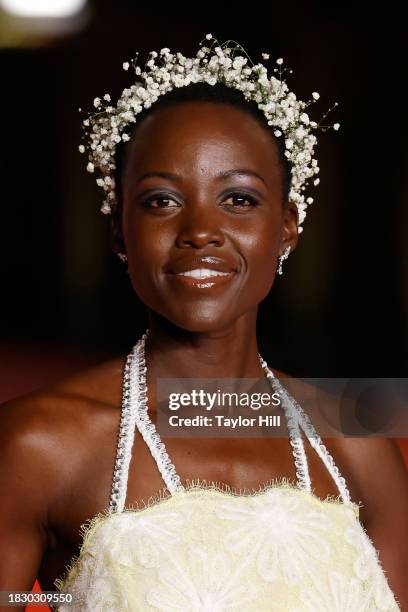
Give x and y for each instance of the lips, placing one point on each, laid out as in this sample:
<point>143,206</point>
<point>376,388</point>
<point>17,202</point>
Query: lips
<point>203,272</point>
<point>203,262</point>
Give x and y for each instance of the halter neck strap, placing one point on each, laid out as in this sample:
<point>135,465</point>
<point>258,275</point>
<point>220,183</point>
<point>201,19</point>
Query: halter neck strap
<point>134,414</point>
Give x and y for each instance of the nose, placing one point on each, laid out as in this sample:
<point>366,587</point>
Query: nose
<point>200,227</point>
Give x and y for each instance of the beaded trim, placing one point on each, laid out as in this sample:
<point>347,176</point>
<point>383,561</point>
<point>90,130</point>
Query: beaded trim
<point>147,429</point>
<point>317,443</point>
<point>300,420</point>
<point>135,413</point>
<point>295,436</point>
<point>125,444</point>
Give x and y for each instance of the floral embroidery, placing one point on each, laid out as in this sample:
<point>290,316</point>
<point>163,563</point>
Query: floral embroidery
<point>140,537</point>
<point>208,583</point>
<point>367,565</point>
<point>340,595</point>
<point>282,550</point>
<point>285,535</point>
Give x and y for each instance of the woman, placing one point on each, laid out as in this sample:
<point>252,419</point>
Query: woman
<point>202,183</point>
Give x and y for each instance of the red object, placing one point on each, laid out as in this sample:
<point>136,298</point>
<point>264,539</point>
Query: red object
<point>37,589</point>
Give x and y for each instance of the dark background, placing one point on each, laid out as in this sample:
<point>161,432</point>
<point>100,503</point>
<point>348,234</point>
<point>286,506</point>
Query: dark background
<point>341,306</point>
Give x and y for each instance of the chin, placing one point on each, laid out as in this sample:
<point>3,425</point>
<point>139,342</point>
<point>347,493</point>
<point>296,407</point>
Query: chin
<point>195,324</point>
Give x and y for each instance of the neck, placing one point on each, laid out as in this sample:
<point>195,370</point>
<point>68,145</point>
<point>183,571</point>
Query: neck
<point>229,352</point>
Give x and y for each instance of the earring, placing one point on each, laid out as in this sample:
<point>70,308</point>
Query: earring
<point>282,258</point>
<point>122,256</point>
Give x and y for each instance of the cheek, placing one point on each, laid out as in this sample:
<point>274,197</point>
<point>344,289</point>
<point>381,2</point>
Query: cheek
<point>148,249</point>
<point>259,250</point>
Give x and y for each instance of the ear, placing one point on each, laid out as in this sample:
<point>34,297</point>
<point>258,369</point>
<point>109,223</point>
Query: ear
<point>290,233</point>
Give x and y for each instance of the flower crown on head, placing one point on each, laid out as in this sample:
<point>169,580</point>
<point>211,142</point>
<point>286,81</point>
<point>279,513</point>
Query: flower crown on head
<point>226,63</point>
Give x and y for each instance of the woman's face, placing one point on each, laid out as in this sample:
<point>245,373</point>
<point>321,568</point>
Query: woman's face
<point>202,191</point>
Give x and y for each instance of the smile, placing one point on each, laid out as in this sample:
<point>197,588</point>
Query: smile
<point>203,273</point>
<point>202,278</point>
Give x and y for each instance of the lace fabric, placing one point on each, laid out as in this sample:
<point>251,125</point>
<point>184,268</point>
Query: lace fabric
<point>209,547</point>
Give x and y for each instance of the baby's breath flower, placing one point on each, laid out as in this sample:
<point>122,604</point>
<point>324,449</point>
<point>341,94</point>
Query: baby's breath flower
<point>284,113</point>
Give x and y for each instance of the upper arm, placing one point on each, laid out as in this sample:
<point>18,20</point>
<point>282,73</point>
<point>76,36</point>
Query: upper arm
<point>380,481</point>
<point>24,469</point>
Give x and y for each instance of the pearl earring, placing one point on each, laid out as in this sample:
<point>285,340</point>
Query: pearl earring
<point>122,256</point>
<point>282,258</point>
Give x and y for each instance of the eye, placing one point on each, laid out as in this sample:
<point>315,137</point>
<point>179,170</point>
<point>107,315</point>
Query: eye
<point>242,200</point>
<point>160,201</point>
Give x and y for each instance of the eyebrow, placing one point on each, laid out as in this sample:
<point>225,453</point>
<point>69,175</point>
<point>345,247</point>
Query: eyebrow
<point>221,176</point>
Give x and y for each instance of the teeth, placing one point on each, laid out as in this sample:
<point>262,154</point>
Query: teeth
<point>203,273</point>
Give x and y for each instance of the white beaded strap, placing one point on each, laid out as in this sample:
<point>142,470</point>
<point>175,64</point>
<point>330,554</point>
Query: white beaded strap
<point>295,436</point>
<point>317,443</point>
<point>125,444</point>
<point>138,400</point>
<point>301,420</point>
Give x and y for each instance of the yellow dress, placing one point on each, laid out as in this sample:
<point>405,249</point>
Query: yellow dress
<point>206,548</point>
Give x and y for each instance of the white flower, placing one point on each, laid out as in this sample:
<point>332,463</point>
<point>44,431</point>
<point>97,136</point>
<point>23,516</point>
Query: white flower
<point>208,583</point>
<point>81,148</point>
<point>316,181</point>
<point>106,209</point>
<point>278,529</point>
<point>367,566</point>
<point>90,167</point>
<point>343,594</point>
<point>139,536</point>
<point>282,110</point>
<point>309,200</point>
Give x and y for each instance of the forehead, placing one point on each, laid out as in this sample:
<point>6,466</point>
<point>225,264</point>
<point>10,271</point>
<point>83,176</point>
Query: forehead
<point>202,136</point>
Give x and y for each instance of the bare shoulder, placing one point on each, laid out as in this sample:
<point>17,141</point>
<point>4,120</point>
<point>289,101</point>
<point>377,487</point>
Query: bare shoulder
<point>52,445</point>
<point>376,474</point>
<point>45,434</point>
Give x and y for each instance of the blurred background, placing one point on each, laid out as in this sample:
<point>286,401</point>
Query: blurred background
<point>341,306</point>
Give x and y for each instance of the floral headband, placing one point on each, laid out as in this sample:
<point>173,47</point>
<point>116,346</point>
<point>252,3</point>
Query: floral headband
<point>226,63</point>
